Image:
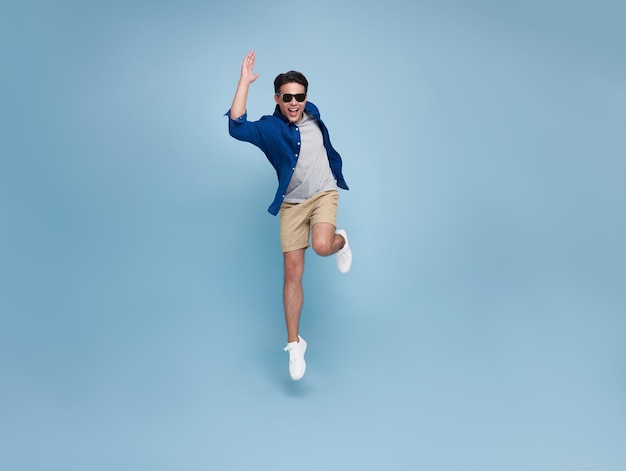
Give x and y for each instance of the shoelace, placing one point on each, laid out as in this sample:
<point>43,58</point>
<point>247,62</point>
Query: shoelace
<point>292,352</point>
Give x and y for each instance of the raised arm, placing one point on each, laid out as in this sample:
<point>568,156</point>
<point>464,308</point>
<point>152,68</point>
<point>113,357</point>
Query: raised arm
<point>238,108</point>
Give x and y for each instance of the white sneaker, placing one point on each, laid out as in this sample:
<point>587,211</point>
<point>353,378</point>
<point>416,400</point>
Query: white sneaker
<point>297,365</point>
<point>344,256</point>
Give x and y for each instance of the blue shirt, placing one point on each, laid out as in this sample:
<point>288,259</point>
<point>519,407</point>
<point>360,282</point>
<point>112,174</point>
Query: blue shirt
<point>280,142</point>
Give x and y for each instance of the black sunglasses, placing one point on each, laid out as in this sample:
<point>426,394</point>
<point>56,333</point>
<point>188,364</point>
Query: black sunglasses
<point>287,97</point>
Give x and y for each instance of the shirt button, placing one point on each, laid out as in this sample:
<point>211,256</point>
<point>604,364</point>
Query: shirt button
<point>296,155</point>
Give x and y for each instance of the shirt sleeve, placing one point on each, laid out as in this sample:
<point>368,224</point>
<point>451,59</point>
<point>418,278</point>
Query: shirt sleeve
<point>244,130</point>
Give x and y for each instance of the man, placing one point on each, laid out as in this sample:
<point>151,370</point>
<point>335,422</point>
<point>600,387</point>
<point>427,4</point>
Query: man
<point>296,142</point>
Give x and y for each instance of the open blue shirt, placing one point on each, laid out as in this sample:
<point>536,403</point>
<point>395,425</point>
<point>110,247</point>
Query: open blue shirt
<point>280,142</point>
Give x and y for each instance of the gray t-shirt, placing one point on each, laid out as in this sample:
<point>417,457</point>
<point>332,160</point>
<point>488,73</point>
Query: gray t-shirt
<point>312,174</point>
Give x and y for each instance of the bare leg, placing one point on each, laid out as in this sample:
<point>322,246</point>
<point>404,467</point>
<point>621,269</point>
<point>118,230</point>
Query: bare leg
<point>293,295</point>
<point>325,241</point>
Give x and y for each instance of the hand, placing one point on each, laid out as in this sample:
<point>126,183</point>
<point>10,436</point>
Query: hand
<point>247,73</point>
<point>238,108</point>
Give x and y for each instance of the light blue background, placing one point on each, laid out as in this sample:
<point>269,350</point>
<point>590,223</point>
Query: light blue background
<point>482,325</point>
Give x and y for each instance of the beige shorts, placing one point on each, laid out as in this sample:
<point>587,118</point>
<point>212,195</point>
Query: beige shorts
<point>296,219</point>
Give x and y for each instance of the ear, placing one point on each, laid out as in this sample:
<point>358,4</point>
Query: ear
<point>276,99</point>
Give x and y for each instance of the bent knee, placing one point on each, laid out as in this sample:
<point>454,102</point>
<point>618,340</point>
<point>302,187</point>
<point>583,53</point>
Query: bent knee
<point>323,248</point>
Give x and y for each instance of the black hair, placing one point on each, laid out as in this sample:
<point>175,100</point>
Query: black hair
<point>290,77</point>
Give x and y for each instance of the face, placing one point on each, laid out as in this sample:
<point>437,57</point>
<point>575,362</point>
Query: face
<point>293,109</point>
